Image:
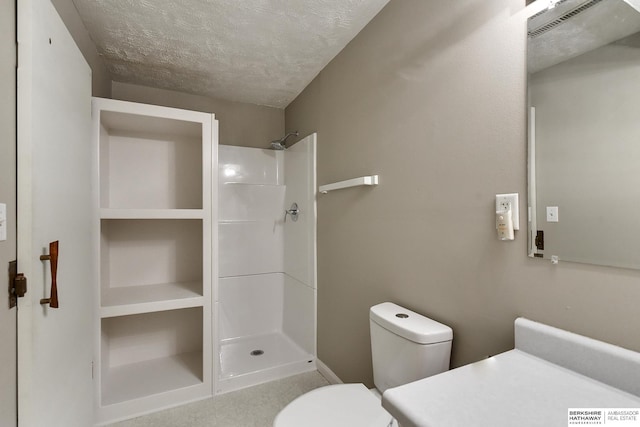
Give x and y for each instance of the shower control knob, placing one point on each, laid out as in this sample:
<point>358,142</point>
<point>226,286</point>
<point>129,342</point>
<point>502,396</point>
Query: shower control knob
<point>293,211</point>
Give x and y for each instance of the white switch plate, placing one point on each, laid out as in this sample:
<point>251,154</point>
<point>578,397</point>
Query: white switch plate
<point>3,222</point>
<point>504,201</point>
<point>552,214</point>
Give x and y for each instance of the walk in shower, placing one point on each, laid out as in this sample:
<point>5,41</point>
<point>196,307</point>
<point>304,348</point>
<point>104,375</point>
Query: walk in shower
<point>266,299</point>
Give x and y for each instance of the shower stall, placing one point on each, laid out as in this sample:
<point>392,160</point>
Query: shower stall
<point>266,297</point>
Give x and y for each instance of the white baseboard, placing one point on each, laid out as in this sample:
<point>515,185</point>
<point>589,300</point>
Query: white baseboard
<point>328,373</point>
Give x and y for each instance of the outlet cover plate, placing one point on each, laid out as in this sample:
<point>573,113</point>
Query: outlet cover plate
<point>511,199</point>
<point>552,214</point>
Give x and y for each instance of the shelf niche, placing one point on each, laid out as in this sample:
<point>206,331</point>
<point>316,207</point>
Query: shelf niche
<point>147,354</point>
<point>144,261</point>
<point>149,162</point>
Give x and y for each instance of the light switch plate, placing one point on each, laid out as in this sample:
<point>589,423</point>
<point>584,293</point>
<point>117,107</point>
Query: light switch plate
<point>504,201</point>
<point>552,214</point>
<point>3,222</point>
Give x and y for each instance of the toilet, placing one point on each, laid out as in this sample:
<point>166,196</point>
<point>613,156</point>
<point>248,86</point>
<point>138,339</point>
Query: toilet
<point>405,347</point>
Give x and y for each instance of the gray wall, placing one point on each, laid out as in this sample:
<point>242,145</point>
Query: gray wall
<point>240,123</point>
<point>431,96</point>
<point>8,196</point>
<point>588,156</point>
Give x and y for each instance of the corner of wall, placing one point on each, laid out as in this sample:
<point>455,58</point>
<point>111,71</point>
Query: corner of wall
<point>100,76</point>
<point>326,372</point>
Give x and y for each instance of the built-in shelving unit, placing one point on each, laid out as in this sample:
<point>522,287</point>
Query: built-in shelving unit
<point>157,227</point>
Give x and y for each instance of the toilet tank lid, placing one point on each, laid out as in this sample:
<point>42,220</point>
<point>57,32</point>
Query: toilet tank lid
<point>410,325</point>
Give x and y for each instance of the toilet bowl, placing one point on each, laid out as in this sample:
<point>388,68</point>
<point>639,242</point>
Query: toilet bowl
<point>405,347</point>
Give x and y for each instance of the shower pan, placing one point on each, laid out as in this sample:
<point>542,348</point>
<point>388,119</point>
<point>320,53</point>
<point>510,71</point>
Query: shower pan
<point>266,299</point>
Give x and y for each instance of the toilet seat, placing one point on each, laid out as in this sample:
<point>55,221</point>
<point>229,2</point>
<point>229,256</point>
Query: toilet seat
<point>340,405</point>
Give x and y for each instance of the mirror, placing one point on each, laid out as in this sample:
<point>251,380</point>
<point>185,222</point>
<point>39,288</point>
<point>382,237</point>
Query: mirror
<point>583,62</point>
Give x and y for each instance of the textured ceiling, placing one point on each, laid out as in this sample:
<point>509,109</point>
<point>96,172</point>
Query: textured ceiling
<point>258,51</point>
<point>574,27</point>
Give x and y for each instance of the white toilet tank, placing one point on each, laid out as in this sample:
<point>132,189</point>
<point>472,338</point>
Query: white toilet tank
<point>406,346</point>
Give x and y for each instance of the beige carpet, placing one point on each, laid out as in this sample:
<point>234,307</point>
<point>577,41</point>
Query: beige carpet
<point>252,407</point>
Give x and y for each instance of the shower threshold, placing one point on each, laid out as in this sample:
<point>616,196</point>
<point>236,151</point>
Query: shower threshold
<point>248,361</point>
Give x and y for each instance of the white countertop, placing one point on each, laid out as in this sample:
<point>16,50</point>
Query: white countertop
<point>511,389</point>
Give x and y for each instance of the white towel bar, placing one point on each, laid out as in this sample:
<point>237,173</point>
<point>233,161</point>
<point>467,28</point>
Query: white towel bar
<point>363,180</point>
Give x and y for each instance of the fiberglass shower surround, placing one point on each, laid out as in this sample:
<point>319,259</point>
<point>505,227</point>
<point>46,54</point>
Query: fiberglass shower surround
<point>266,303</point>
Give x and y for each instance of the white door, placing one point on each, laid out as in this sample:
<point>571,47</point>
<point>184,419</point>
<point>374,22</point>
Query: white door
<point>54,204</point>
<point>8,389</point>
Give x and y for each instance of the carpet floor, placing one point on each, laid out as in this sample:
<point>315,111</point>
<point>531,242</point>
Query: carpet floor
<point>255,406</point>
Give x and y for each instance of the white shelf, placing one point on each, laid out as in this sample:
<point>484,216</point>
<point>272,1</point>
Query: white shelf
<point>250,184</point>
<point>107,213</point>
<point>249,221</point>
<point>155,120</point>
<point>355,182</point>
<point>122,301</point>
<point>140,380</point>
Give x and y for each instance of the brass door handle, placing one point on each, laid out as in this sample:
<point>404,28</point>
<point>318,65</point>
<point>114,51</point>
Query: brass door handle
<point>53,260</point>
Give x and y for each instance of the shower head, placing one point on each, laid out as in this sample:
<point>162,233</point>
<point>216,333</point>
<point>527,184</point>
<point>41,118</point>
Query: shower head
<point>279,144</point>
